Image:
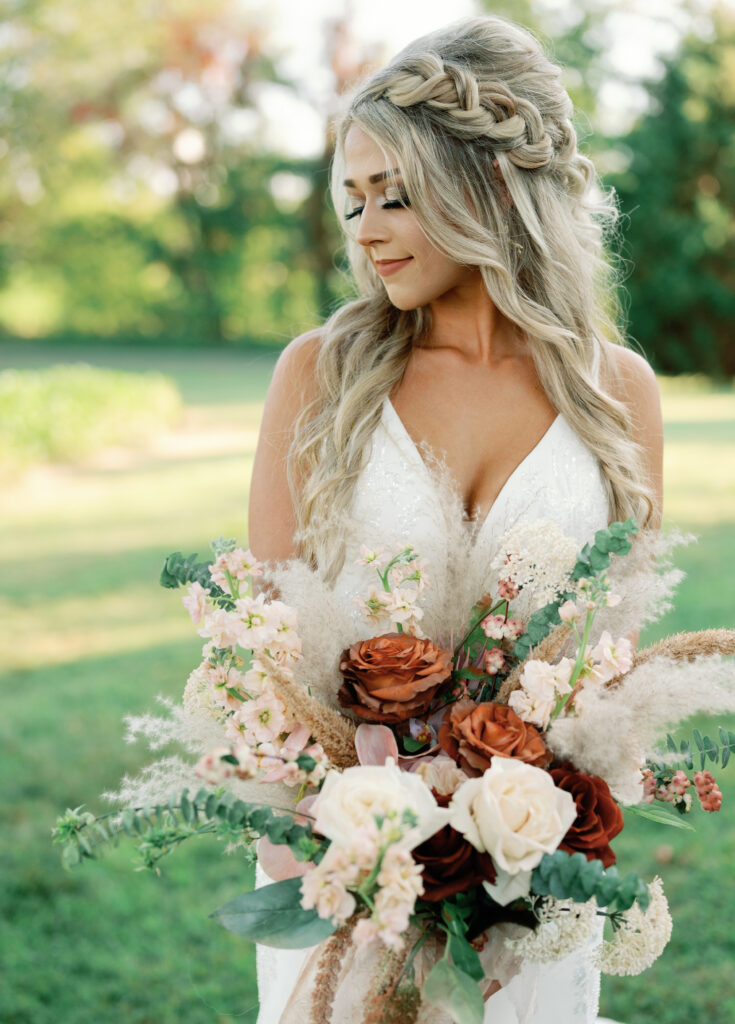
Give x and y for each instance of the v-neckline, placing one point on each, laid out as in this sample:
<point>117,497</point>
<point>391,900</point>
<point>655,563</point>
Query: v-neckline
<point>416,454</point>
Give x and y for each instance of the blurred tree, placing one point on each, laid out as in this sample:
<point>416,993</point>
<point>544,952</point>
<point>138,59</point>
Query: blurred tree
<point>135,173</point>
<point>678,192</point>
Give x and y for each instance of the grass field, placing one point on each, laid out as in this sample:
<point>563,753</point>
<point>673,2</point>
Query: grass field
<point>91,637</point>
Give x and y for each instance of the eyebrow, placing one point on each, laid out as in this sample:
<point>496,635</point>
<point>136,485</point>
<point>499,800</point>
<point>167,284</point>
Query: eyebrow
<point>374,178</point>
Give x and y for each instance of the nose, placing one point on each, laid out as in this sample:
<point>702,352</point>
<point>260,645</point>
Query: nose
<point>372,225</point>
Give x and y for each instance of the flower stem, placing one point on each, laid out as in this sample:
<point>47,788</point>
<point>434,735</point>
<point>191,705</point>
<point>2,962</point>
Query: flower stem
<point>582,647</point>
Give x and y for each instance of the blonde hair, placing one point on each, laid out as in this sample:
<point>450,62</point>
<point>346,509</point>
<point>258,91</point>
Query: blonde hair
<point>447,106</point>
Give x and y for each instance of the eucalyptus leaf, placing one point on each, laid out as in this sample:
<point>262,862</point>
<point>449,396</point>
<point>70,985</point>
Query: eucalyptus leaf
<point>273,916</point>
<point>451,990</point>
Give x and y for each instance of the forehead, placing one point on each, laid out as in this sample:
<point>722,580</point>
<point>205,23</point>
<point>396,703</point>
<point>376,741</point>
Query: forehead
<point>364,157</point>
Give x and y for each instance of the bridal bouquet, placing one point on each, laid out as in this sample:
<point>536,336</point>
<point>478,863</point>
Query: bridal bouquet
<point>434,784</point>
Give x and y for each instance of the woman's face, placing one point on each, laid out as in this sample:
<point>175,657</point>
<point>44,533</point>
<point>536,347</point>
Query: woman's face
<point>414,272</point>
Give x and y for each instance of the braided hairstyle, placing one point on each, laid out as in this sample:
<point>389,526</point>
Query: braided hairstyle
<point>471,114</point>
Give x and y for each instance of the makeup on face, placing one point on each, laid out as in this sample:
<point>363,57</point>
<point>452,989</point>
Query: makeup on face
<point>414,271</point>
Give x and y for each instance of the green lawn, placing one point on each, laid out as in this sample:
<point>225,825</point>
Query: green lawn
<point>91,637</point>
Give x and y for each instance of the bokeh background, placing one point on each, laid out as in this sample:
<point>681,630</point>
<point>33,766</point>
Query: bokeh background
<point>165,231</point>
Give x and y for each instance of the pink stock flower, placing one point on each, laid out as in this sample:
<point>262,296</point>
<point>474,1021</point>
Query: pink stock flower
<point>256,622</point>
<point>569,612</point>
<point>196,602</point>
<point>611,659</point>
<point>402,608</point>
<point>256,679</point>
<point>223,627</point>
<point>372,556</point>
<point>222,678</point>
<point>260,720</point>
<point>365,931</point>
<point>373,607</point>
<point>213,769</point>
<point>238,563</point>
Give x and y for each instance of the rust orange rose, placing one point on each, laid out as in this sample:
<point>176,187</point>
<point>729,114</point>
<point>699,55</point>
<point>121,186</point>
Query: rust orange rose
<point>451,863</point>
<point>599,819</point>
<point>472,734</point>
<point>393,677</point>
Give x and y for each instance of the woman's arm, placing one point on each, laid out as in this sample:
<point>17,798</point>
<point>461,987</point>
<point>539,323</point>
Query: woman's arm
<point>635,384</point>
<point>272,519</point>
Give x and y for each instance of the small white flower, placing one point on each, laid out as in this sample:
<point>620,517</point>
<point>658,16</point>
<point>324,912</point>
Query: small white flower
<point>564,926</point>
<point>537,557</point>
<point>641,938</point>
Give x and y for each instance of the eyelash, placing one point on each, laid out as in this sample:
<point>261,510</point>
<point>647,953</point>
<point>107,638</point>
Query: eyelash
<point>392,204</point>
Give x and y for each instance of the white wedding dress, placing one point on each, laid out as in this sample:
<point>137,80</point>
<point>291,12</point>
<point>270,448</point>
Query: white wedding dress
<point>396,502</point>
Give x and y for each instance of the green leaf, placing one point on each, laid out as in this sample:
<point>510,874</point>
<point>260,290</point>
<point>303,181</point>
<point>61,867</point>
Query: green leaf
<point>599,560</point>
<point>607,888</point>
<point>273,916</point>
<point>410,745</point>
<point>626,894</point>
<point>659,812</point>
<point>450,989</point>
<point>727,739</point>
<point>711,749</point>
<point>465,956</point>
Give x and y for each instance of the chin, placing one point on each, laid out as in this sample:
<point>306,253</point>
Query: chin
<point>407,302</point>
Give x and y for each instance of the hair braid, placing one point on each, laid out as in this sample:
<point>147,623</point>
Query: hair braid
<point>473,108</point>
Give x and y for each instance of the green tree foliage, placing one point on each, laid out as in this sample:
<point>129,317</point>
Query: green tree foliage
<point>678,192</point>
<point>136,189</point>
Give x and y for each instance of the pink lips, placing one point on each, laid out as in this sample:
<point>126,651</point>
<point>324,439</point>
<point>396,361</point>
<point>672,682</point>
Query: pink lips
<point>386,267</point>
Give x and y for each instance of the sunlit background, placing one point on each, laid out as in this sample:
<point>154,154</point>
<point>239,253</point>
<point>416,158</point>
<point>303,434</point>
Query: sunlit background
<point>166,230</point>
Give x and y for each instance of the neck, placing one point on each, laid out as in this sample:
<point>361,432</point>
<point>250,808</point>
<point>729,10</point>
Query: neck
<point>467,321</point>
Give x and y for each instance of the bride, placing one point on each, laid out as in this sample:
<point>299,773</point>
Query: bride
<point>484,330</point>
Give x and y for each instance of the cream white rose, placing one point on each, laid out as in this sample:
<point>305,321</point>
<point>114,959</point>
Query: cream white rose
<point>514,812</point>
<point>507,888</point>
<point>352,799</point>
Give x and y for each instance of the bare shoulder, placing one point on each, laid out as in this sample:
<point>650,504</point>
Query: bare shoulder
<point>632,379</point>
<point>294,375</point>
<point>633,382</point>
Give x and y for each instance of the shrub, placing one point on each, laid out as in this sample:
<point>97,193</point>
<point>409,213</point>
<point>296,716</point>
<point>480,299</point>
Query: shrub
<point>64,413</point>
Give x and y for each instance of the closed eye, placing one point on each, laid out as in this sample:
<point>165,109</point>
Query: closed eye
<point>392,204</point>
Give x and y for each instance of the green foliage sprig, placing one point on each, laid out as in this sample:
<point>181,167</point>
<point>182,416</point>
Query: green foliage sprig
<point>593,560</point>
<point>707,748</point>
<point>179,571</point>
<point>161,828</point>
<point>572,877</point>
